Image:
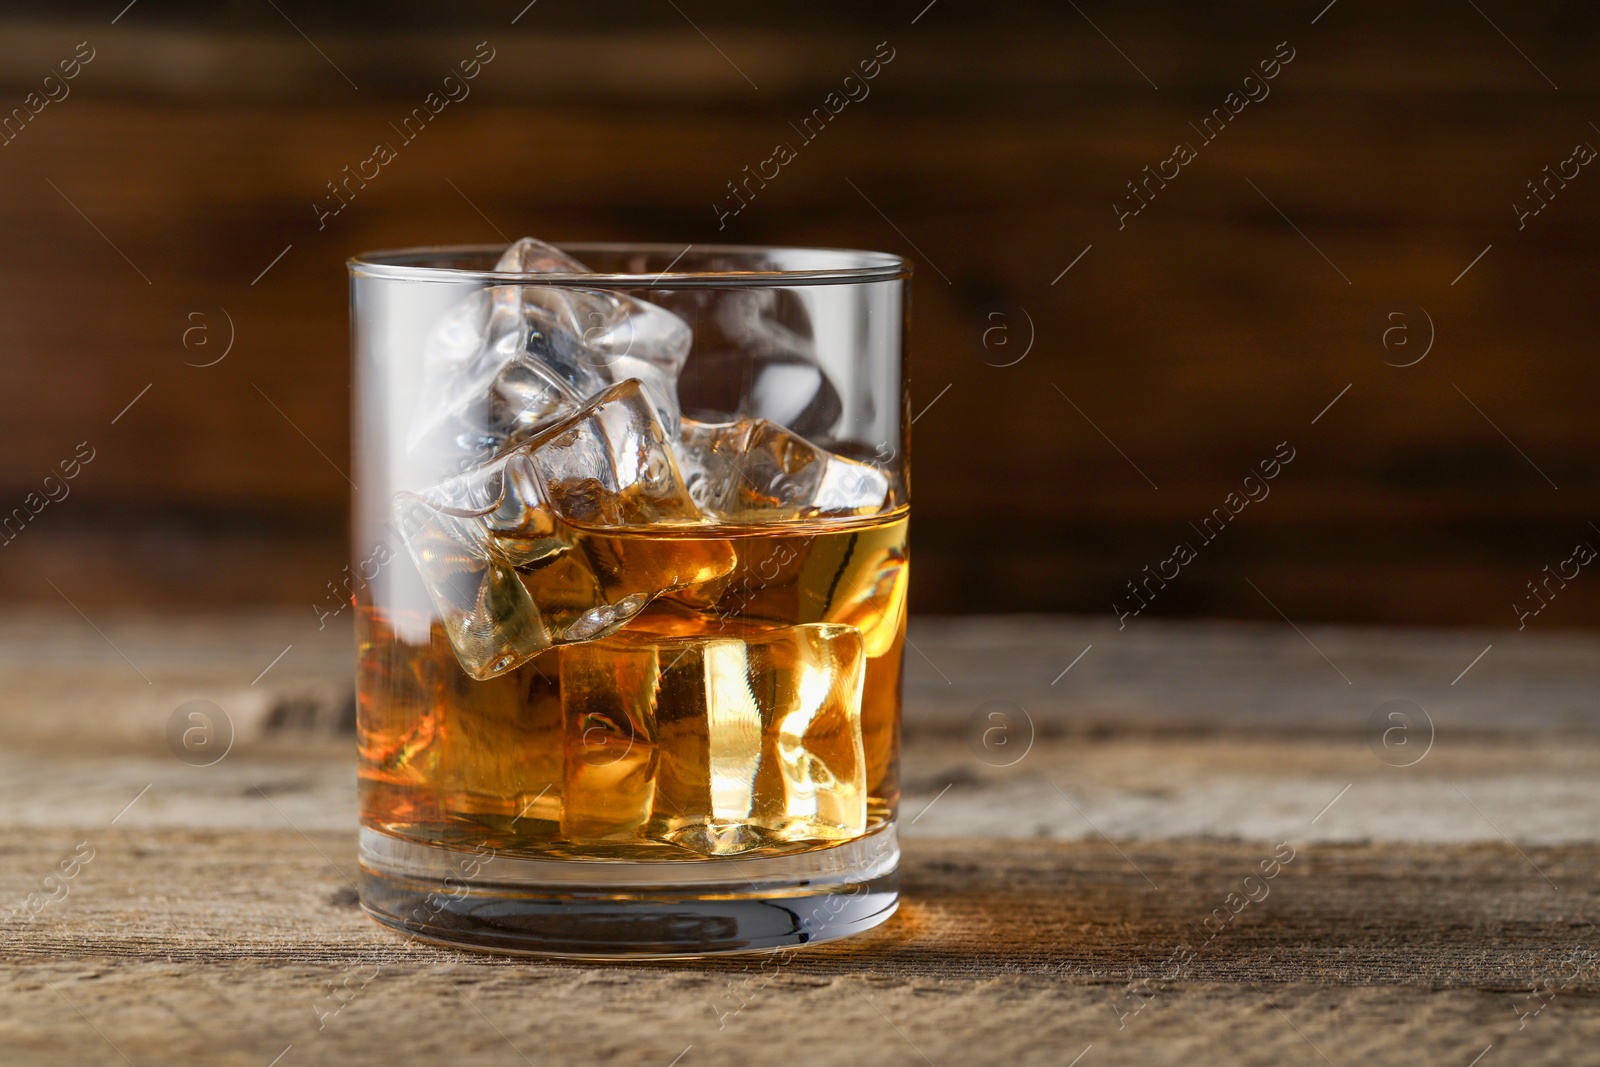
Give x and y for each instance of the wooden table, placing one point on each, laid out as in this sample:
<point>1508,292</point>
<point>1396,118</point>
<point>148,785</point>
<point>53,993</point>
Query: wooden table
<point>1089,900</point>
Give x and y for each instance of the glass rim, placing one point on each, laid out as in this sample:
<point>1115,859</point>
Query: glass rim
<point>419,265</point>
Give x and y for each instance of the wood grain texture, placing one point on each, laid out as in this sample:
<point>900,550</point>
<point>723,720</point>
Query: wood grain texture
<point>111,677</point>
<point>1196,337</point>
<point>190,946</point>
<point>1066,902</point>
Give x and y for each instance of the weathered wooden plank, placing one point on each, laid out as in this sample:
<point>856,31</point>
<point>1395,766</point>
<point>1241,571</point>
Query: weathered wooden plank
<point>178,945</point>
<point>1133,789</point>
<point>1411,915</point>
<point>456,1012</point>
<point>1467,916</point>
<point>59,677</point>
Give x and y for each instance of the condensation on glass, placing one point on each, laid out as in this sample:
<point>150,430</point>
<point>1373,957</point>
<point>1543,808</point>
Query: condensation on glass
<point>632,530</point>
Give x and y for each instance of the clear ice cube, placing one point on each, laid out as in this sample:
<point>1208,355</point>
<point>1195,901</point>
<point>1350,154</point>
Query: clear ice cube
<point>528,256</point>
<point>610,756</point>
<point>530,550</point>
<point>753,470</point>
<point>771,329</point>
<point>511,360</point>
<point>719,744</point>
<point>485,609</point>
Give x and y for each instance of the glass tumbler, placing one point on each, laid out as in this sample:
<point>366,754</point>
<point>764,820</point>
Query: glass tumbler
<point>631,538</point>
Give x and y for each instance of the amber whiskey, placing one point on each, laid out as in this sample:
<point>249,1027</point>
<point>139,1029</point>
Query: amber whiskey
<point>755,712</point>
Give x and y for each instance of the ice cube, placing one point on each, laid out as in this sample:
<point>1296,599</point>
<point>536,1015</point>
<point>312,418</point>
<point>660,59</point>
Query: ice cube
<point>596,337</point>
<point>485,609</point>
<point>771,329</point>
<point>499,745</point>
<point>461,410</point>
<point>610,751</point>
<point>511,360</point>
<point>794,392</point>
<point>856,575</point>
<point>528,256</point>
<point>719,744</point>
<point>611,465</point>
<point>752,470</point>
<point>531,549</point>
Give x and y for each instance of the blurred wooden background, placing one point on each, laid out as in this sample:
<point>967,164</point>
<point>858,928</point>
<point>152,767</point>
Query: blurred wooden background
<point>186,155</point>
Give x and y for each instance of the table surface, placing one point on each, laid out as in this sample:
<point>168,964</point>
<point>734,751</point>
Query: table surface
<point>1076,887</point>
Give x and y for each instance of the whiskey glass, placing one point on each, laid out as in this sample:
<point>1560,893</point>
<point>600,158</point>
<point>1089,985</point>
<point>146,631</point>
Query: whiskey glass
<point>631,537</point>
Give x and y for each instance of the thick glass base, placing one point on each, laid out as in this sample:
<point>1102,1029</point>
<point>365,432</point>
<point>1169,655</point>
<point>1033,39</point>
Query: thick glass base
<point>617,910</point>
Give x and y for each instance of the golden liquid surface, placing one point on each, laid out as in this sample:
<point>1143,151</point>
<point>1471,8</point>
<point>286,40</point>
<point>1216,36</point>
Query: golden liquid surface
<point>757,713</point>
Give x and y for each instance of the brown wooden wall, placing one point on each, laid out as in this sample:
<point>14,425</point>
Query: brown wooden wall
<point>1174,356</point>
